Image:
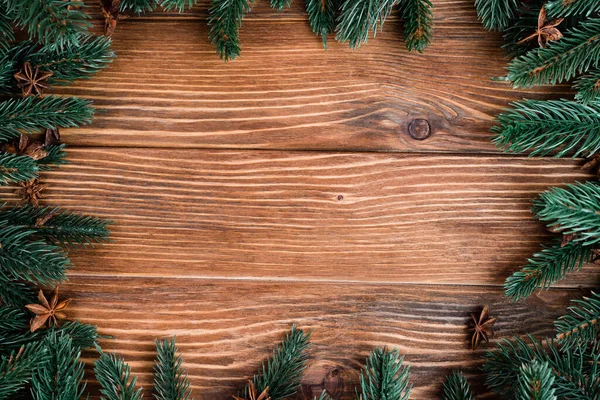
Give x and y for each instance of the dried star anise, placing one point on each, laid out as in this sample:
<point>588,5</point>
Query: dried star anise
<point>253,393</point>
<point>52,136</point>
<point>25,147</point>
<point>482,328</point>
<point>32,80</point>
<point>546,31</point>
<point>49,312</point>
<point>30,192</point>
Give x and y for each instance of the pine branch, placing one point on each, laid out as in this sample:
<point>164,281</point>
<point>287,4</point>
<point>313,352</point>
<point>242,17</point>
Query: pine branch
<point>562,8</point>
<point>178,5</point>
<point>456,387</point>
<point>496,14</point>
<point>16,369</point>
<point>547,267</point>
<point>418,23</point>
<point>553,126</point>
<point>225,20</point>
<point>280,4</point>
<point>15,293</point>
<point>358,17</point>
<point>6,74</point>
<point>321,16</point>
<point>115,378</point>
<point>582,324</point>
<point>384,377</point>
<point>519,27</point>
<point>575,53</point>
<point>588,87</point>
<point>283,371</point>
<point>7,33</point>
<point>61,375</point>
<point>536,381</point>
<point>30,114</point>
<point>56,156</point>
<point>12,319</point>
<point>15,168</point>
<point>137,7</point>
<point>170,379</point>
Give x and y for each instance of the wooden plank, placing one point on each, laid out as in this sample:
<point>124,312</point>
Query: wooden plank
<point>372,217</point>
<point>226,328</point>
<point>167,88</point>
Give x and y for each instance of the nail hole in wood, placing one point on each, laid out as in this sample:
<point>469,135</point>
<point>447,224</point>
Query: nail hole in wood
<point>419,129</point>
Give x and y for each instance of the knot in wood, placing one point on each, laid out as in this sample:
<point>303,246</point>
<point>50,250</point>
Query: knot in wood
<point>419,129</point>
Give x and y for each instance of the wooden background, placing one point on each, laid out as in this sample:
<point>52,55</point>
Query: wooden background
<point>285,187</point>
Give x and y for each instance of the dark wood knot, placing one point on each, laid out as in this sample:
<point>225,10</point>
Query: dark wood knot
<point>324,375</point>
<point>419,129</point>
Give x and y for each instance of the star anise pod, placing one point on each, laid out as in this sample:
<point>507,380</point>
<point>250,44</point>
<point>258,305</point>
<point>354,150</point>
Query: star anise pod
<point>25,147</point>
<point>482,327</point>
<point>110,10</point>
<point>30,192</point>
<point>50,312</point>
<point>253,393</point>
<point>52,136</point>
<point>546,31</point>
<point>32,80</point>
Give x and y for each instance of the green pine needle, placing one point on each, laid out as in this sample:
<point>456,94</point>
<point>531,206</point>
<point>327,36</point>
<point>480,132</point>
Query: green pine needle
<point>16,168</point>
<point>418,23</point>
<point>321,16</point>
<point>496,14</point>
<point>16,369</point>
<point>559,127</point>
<point>456,387</point>
<point>280,4</point>
<point>384,377</point>
<point>56,156</point>
<point>170,379</point>
<point>225,20</point>
<point>137,7</point>
<point>582,324</point>
<point>563,8</point>
<point>359,17</point>
<point>536,381</point>
<point>115,378</point>
<point>588,87</point>
<point>179,5</point>
<point>15,293</point>
<point>576,52</point>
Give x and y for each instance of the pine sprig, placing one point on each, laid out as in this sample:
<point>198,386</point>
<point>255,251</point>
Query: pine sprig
<point>384,377</point>
<point>137,7</point>
<point>15,293</point>
<point>582,324</point>
<point>115,378</point>
<point>321,16</point>
<point>16,168</point>
<point>562,8</point>
<point>456,387</point>
<point>539,127</point>
<point>178,5</point>
<point>16,369</point>
<point>56,156</point>
<point>359,17</point>
<point>283,371</point>
<point>170,379</point>
<point>418,24</point>
<point>280,4</point>
<point>588,87</point>
<point>536,381</point>
<point>225,20</point>
<point>496,14</point>
<point>575,53</point>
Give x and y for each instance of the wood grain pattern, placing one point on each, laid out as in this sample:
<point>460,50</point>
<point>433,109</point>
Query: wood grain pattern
<point>226,328</point>
<point>168,87</point>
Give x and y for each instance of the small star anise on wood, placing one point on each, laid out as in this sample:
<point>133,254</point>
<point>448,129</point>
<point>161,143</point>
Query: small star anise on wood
<point>482,328</point>
<point>253,393</point>
<point>32,80</point>
<point>25,147</point>
<point>50,312</point>
<point>546,31</point>
<point>31,191</point>
<point>52,136</point>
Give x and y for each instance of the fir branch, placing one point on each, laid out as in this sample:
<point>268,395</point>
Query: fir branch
<point>30,114</point>
<point>549,266</point>
<point>588,87</point>
<point>280,4</point>
<point>225,20</point>
<point>456,387</point>
<point>553,126</point>
<point>575,53</point>
<point>12,319</point>
<point>519,27</point>
<point>16,368</point>
<point>321,16</point>
<point>582,324</point>
<point>170,379</point>
<point>7,33</point>
<point>178,5</point>
<point>137,7</point>
<point>16,168</point>
<point>384,376</point>
<point>115,378</point>
<point>496,14</point>
<point>283,371</point>
<point>565,8</point>
<point>7,69</point>
<point>56,156</point>
<point>60,376</point>
<point>15,293</point>
<point>536,381</point>
<point>358,17</point>
<point>418,23</point>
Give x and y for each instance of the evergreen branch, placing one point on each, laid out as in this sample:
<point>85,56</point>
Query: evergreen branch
<point>575,53</point>
<point>456,387</point>
<point>6,74</point>
<point>178,5</point>
<point>549,266</point>
<point>321,16</point>
<point>7,33</point>
<point>170,379</point>
<point>56,156</point>
<point>384,377</point>
<point>582,324</point>
<point>519,27</point>
<point>565,8</point>
<point>552,126</point>
<point>225,20</point>
<point>60,376</point>
<point>588,87</point>
<point>15,293</point>
<point>30,114</point>
<point>12,319</point>
<point>16,168</point>
<point>418,23</point>
<point>496,14</point>
<point>280,4</point>
<point>358,17</point>
<point>16,368</point>
<point>115,378</point>
<point>137,7</point>
<point>324,396</point>
<point>536,381</point>
<point>573,209</point>
<point>283,371</point>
